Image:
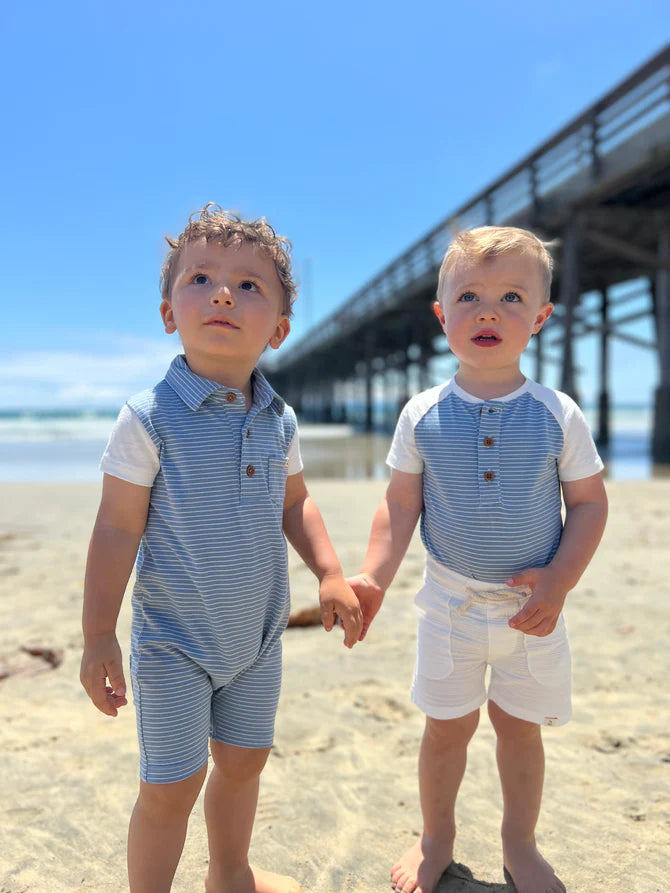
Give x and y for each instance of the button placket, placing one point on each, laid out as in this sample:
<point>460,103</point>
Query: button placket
<point>252,475</point>
<point>488,453</point>
<point>253,464</point>
<point>249,468</point>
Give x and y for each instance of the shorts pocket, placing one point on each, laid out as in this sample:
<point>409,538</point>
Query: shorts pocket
<point>549,656</point>
<point>433,648</point>
<point>277,479</point>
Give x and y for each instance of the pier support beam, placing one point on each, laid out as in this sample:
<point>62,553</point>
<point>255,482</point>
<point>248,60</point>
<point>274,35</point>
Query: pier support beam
<point>296,397</point>
<point>403,382</point>
<point>424,371</point>
<point>604,399</point>
<point>369,379</point>
<point>368,396</point>
<point>660,446</point>
<point>569,297</point>
<point>539,357</point>
<point>327,400</point>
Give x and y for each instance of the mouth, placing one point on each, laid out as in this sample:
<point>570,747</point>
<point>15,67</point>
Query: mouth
<point>221,324</point>
<point>486,339</point>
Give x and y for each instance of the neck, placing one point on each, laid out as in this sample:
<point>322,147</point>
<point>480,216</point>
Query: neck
<point>489,384</point>
<point>235,375</point>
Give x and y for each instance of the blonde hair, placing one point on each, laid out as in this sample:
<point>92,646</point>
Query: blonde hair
<point>484,242</point>
<point>213,224</point>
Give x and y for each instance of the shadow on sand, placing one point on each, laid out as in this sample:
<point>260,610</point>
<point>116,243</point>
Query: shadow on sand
<point>459,879</point>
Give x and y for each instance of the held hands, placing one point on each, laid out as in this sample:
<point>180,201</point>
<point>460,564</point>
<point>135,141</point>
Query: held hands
<point>336,597</point>
<point>101,662</point>
<point>540,614</point>
<point>370,596</point>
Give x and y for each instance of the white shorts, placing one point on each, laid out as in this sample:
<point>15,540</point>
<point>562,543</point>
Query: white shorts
<point>463,630</point>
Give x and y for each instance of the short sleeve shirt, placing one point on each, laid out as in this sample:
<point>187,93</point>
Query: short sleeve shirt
<point>491,474</point>
<point>211,574</point>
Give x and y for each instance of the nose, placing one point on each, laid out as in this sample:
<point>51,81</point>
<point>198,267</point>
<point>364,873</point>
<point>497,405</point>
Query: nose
<point>487,312</point>
<point>222,295</point>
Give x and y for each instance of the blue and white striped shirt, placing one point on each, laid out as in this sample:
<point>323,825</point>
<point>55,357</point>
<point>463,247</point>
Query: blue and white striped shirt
<point>491,474</point>
<point>211,574</point>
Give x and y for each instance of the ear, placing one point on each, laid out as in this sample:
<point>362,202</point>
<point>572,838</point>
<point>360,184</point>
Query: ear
<point>439,313</point>
<point>280,333</point>
<point>545,312</point>
<point>167,316</point>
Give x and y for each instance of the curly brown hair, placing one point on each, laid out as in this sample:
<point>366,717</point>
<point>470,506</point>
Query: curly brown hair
<point>213,224</point>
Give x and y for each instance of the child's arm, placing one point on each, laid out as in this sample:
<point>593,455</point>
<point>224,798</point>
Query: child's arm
<point>585,516</point>
<point>392,529</point>
<point>116,536</point>
<point>305,530</point>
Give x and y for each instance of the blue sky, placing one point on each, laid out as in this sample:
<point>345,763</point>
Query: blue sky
<point>354,127</point>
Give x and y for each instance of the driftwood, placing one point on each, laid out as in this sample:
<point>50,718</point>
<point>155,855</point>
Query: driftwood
<point>306,617</point>
<point>50,659</point>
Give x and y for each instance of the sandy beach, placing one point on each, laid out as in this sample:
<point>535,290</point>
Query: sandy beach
<point>339,796</point>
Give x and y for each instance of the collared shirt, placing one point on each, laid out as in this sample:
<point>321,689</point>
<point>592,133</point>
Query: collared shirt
<point>211,574</point>
<point>491,474</point>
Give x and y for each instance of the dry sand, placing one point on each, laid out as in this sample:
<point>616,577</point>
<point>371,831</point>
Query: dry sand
<point>339,797</point>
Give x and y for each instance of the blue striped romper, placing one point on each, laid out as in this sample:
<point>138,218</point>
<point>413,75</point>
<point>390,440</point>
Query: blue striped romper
<point>491,471</point>
<point>211,596</point>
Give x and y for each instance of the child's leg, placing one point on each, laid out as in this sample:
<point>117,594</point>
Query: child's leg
<point>158,830</point>
<point>441,767</point>
<point>230,806</point>
<point>520,757</point>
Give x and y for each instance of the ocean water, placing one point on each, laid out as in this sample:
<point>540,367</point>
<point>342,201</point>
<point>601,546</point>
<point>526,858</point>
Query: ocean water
<point>66,447</point>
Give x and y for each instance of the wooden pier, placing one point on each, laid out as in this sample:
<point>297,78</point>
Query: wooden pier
<point>601,188</point>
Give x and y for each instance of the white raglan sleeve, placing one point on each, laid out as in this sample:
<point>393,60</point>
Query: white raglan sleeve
<point>404,454</point>
<point>294,463</point>
<point>131,454</point>
<point>579,457</point>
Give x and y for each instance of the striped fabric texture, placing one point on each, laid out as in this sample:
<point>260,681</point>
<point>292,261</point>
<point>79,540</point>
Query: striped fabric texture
<point>211,596</point>
<point>491,474</point>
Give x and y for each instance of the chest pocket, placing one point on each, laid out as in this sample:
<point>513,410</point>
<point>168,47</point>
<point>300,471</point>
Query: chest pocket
<point>277,479</point>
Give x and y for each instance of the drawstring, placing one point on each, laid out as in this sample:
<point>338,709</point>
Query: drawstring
<point>492,595</point>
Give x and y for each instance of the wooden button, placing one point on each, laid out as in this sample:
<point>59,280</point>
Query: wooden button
<point>251,471</point>
<point>248,432</point>
<point>488,475</point>
<point>488,441</point>
<point>230,397</point>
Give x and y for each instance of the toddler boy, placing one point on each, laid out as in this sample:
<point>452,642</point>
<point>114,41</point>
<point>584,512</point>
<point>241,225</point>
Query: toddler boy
<point>483,460</point>
<point>203,473</point>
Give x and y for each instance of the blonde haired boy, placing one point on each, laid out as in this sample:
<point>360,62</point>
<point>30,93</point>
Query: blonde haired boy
<point>483,460</point>
<point>203,473</point>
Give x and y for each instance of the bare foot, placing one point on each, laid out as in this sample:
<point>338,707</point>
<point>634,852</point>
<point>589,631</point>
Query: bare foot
<point>530,872</point>
<point>421,867</point>
<point>255,880</point>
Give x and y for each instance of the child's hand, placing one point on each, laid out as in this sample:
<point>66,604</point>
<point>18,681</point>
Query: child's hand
<point>370,596</point>
<point>336,597</point>
<point>101,662</point>
<point>540,614</point>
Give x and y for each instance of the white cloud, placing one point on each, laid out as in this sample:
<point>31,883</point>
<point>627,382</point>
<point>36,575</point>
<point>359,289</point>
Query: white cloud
<point>71,379</point>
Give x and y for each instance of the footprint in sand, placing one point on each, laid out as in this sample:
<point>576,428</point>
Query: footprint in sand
<point>379,706</point>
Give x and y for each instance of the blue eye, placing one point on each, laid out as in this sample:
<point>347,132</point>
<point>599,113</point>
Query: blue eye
<point>200,279</point>
<point>511,298</point>
<point>468,297</point>
<point>247,285</point>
